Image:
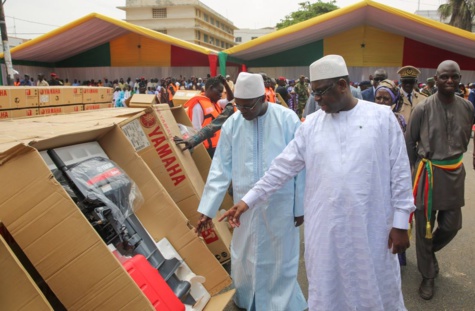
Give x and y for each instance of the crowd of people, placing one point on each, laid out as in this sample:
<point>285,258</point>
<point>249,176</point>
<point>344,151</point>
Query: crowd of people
<point>367,160</point>
<point>296,94</point>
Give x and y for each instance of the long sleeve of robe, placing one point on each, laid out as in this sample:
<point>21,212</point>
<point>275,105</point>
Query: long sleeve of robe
<point>358,187</point>
<point>264,251</point>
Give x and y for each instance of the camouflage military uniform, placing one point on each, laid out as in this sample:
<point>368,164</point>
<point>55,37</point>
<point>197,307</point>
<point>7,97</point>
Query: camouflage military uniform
<point>302,96</point>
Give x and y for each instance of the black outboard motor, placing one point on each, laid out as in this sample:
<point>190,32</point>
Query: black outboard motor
<point>105,195</point>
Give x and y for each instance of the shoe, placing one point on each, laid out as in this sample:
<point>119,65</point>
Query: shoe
<point>436,266</point>
<point>426,290</point>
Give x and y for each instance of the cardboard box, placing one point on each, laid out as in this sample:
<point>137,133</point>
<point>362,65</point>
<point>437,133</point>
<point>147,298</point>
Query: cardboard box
<point>199,154</point>
<point>18,291</point>
<point>72,95</point>
<point>4,98</point>
<point>17,97</point>
<point>182,96</point>
<point>104,95</point>
<point>98,106</point>
<point>50,95</point>
<point>151,133</point>
<point>12,97</point>
<point>143,100</point>
<point>18,113</point>
<point>63,246</point>
<point>90,94</point>
<point>32,97</point>
<point>59,109</point>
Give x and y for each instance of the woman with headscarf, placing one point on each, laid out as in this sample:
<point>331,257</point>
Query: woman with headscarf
<point>387,93</point>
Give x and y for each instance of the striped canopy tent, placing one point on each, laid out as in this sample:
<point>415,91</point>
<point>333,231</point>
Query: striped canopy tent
<point>368,35</point>
<point>99,41</point>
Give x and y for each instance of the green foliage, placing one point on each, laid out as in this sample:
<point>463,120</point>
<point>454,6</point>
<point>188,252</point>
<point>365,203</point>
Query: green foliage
<point>306,11</point>
<point>461,13</point>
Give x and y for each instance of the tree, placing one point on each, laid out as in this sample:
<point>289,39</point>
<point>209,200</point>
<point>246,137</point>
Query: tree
<point>461,13</point>
<point>306,11</point>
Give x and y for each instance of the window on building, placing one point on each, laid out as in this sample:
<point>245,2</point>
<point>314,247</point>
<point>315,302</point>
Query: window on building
<point>253,38</point>
<point>159,13</point>
<point>206,17</point>
<point>217,42</point>
<point>217,24</point>
<point>211,40</point>
<point>238,39</point>
<point>222,44</point>
<point>211,21</point>
<point>198,35</point>
<point>205,38</point>
<point>227,45</point>
<point>198,13</point>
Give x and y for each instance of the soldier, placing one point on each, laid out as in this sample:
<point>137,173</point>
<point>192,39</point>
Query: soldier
<point>410,97</point>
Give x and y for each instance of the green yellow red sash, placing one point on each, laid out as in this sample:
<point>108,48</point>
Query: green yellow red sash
<point>426,166</point>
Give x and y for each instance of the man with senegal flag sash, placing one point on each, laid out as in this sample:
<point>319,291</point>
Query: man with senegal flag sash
<point>437,135</point>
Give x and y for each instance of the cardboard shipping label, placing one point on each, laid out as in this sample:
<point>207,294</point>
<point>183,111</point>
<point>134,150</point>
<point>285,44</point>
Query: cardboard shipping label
<point>136,135</point>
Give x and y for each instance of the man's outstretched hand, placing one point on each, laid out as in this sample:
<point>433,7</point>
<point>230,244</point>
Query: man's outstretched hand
<point>204,223</point>
<point>234,213</point>
<point>179,141</point>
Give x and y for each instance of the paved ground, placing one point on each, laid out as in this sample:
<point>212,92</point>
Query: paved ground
<point>455,286</point>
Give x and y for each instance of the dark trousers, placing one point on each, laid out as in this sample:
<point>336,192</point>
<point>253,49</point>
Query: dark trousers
<point>211,152</point>
<point>448,224</point>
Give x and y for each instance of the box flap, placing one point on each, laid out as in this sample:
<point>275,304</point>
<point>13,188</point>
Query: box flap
<point>220,301</point>
<point>18,291</point>
<point>13,152</point>
<point>13,132</point>
<point>70,139</point>
<point>143,100</point>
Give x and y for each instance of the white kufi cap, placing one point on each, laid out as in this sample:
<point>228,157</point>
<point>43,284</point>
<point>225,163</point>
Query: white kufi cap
<point>249,85</point>
<point>328,67</point>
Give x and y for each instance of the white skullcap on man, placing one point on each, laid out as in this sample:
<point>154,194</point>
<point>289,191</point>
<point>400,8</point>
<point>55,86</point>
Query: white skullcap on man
<point>249,85</point>
<point>328,67</point>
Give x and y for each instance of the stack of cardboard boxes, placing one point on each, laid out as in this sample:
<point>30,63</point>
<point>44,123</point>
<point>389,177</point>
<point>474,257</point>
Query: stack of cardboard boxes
<point>61,243</point>
<point>24,101</point>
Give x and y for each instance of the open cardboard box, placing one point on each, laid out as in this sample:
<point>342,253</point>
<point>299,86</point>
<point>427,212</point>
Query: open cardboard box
<point>151,133</point>
<point>63,246</point>
<point>18,291</point>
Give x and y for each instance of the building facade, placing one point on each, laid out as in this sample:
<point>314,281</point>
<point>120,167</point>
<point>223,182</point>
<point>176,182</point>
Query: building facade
<point>189,20</point>
<point>245,35</point>
<point>12,42</point>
